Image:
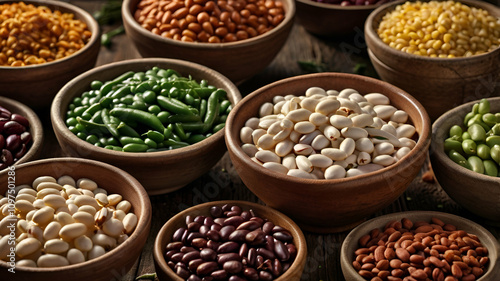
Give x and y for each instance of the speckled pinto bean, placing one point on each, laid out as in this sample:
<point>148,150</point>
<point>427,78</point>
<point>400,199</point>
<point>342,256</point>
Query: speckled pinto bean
<point>209,21</point>
<point>417,251</point>
<point>231,244</point>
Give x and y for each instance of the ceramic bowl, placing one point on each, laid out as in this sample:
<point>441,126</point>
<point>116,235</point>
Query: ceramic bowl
<point>36,128</point>
<point>158,172</point>
<point>478,193</point>
<point>350,243</point>
<point>116,262</point>
<point>36,85</point>
<point>164,272</point>
<point>327,205</point>
<point>439,84</point>
<point>238,60</point>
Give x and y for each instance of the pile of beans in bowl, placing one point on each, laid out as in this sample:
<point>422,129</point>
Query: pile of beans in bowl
<point>328,134</point>
<point>444,29</point>
<point>15,137</point>
<point>209,21</point>
<point>35,34</point>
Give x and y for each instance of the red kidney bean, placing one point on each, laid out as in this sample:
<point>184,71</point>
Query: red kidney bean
<point>265,253</point>
<point>206,268</point>
<point>193,265</point>
<point>269,244</point>
<point>220,274</point>
<point>249,225</point>
<point>6,157</point>
<point>225,231</point>
<point>199,219</point>
<point>13,142</point>
<point>255,238</point>
<point>233,267</point>
<point>177,236</point>
<point>234,221</point>
<point>223,258</point>
<point>265,276</point>
<point>283,236</point>
<point>208,254</point>
<point>252,256</point>
<point>13,127</point>
<point>251,273</point>
<point>228,247</point>
<point>216,211</point>
<point>194,277</point>
<point>281,250</point>
<point>182,272</point>
<point>5,113</point>
<point>238,235</point>
<point>268,227</point>
<point>190,256</point>
<point>20,119</point>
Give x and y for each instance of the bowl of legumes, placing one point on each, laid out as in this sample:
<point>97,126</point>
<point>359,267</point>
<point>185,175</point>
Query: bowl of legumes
<point>159,119</point>
<point>465,156</point>
<point>339,18</point>
<point>230,240</point>
<point>70,219</point>
<point>21,133</point>
<point>328,149</point>
<point>237,38</point>
<point>420,245</point>
<point>444,53</point>
<point>44,45</point>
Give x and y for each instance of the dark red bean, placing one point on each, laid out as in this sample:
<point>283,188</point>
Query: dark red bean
<point>223,258</point>
<point>243,250</point>
<point>208,254</point>
<point>207,278</point>
<point>182,272</point>
<point>199,243</point>
<point>220,274</point>
<point>2,141</point>
<point>193,226</point>
<point>292,250</point>
<point>187,249</point>
<point>233,267</point>
<point>177,236</point>
<point>252,256</point>
<point>283,236</point>
<point>174,246</point>
<point>204,229</point>
<point>216,227</point>
<point>269,243</point>
<point>193,265</point>
<point>12,127</point>
<point>199,219</point>
<point>251,273</point>
<point>234,221</point>
<point>268,227</point>
<point>214,245</point>
<point>236,278</point>
<point>286,266</point>
<point>193,235</point>
<point>208,221</point>
<point>255,238</point>
<point>216,211</point>
<point>190,256</point>
<point>228,247</point>
<point>257,219</point>
<point>12,142</point>
<point>5,113</point>
<point>265,276</point>
<point>238,235</point>
<point>189,219</point>
<point>168,254</point>
<point>281,250</point>
<point>20,119</point>
<point>249,225</point>
<point>7,157</point>
<point>213,235</point>
<point>206,268</point>
<point>265,253</point>
<point>21,151</point>
<point>277,269</point>
<point>278,228</point>
<point>226,207</point>
<point>225,231</point>
<point>246,215</point>
<point>194,277</point>
<point>259,260</point>
<point>177,257</point>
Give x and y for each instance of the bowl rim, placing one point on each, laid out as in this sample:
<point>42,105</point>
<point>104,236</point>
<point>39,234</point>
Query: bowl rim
<point>421,145</point>
<point>36,127</point>
<point>87,18</point>
<point>437,142</point>
<point>143,223</point>
<point>301,244</point>
<point>380,221</point>
<point>369,30</point>
<point>57,113</point>
<point>288,20</point>
<point>331,6</point>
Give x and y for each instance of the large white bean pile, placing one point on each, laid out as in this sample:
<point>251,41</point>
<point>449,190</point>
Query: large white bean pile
<point>328,134</point>
<point>62,222</point>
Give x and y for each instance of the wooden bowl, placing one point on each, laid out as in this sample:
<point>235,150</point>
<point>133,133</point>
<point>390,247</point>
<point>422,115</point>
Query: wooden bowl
<point>158,172</point>
<point>350,243</point>
<point>478,193</point>
<point>332,20</point>
<point>36,85</point>
<point>238,60</point>
<point>321,205</point>
<point>36,128</point>
<point>164,272</point>
<point>115,263</point>
<point>439,84</point>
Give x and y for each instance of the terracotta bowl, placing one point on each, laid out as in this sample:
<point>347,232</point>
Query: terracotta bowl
<point>36,128</point>
<point>116,262</point>
<point>321,205</point>
<point>158,172</point>
<point>478,193</point>
<point>332,20</point>
<point>238,60</point>
<point>489,241</point>
<point>36,85</point>
<point>439,84</point>
<point>164,272</point>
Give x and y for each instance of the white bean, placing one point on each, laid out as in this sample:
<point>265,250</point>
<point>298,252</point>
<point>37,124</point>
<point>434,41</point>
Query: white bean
<point>383,134</point>
<point>308,138</point>
<point>304,163</point>
<point>318,119</point>
<point>71,231</point>
<point>362,120</point>
<point>119,214</point>
<point>51,231</point>
<point>256,134</point>
<point>406,142</point>
<point>75,256</point>
<point>96,252</point>
<point>85,218</point>
<point>345,93</point>
<point>384,111</point>
<point>299,174</point>
<point>377,99</point>
<point>357,97</point>
<point>55,201</point>
<point>294,136</point>
<point>282,135</point>
<point>331,133</point>
<point>63,180</point>
<point>41,179</point>
<point>353,172</point>
<point>405,131</point>
<point>102,199</point>
<point>320,160</point>
<point>335,172</point>
<point>327,106</point>
<point>246,134</point>
<point>348,145</point>
<point>89,209</point>
<point>350,105</point>
<point>52,260</point>
<point>114,199</point>
<point>402,152</point>
<point>332,93</point>
<point>354,133</point>
<point>399,116</point>
<point>124,205</point>
<point>315,91</point>
<point>266,109</point>
<point>389,129</point>
<point>283,148</point>
<point>277,167</point>
<point>277,99</point>
<point>304,127</point>
<point>363,158</point>
<point>340,122</point>
<point>83,243</point>
<point>43,216</point>
<point>384,160</point>
<point>25,196</point>
<point>278,106</point>
<point>26,263</point>
<point>64,218</point>
<point>23,206</point>
<point>320,142</point>
<point>48,184</point>
<point>267,156</point>
<point>27,246</point>
<point>384,148</point>
<point>275,128</point>
<point>309,104</point>
<point>302,149</point>
<point>266,123</point>
<point>129,222</point>
<point>335,154</point>
<point>298,115</point>
<point>249,149</point>
<point>253,123</point>
<point>27,190</point>
<point>266,142</point>
<point>103,240</point>
<point>55,246</point>
<point>365,144</point>
<point>4,247</point>
<point>289,161</point>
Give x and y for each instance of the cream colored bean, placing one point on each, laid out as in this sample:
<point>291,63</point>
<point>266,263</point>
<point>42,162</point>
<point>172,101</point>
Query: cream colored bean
<point>266,123</point>
<point>299,115</point>
<point>406,142</point>
<point>384,160</point>
<point>384,148</point>
<point>70,231</point>
<point>368,109</point>
<point>304,163</point>
<point>23,206</point>
<point>277,99</point>
<point>95,252</point>
<point>399,116</point>
<point>83,243</point>
<point>47,191</point>
<point>362,120</point>
<point>384,111</point>
<point>38,204</point>
<point>332,93</point>
<point>350,105</point>
<point>130,222</point>
<point>252,123</point>
<point>70,190</point>
<point>318,119</point>
<point>377,99</point>
<point>55,246</point>
<point>267,156</point>
<point>4,247</point>
<point>73,208</point>
<point>340,122</point>
<point>335,172</point>
<point>405,131</point>
<point>275,128</point>
<point>320,160</point>
<point>320,142</point>
<point>357,97</point>
<point>348,145</point>
<point>48,184</point>
<point>55,201</point>
<point>278,106</point>
<point>354,133</point>
<point>75,256</point>
<point>26,263</point>
<point>102,199</point>
<point>28,190</point>
<point>299,174</point>
<point>402,152</point>
<point>309,137</point>
<point>377,122</point>
<point>315,91</point>
<point>345,93</point>
<point>389,129</point>
<point>249,149</point>
<point>63,180</point>
<point>119,214</point>
<point>283,134</point>
<point>41,179</point>
<point>294,136</point>
<point>101,216</point>
<point>52,260</point>
<point>283,148</point>
<point>365,145</point>
<point>335,154</point>
<point>25,196</point>
<point>289,161</point>
<point>302,149</point>
<point>327,106</point>
<point>29,215</point>
<point>86,192</point>
<point>277,167</point>
<point>27,246</point>
<point>309,104</point>
<point>246,134</point>
<point>266,142</point>
<point>44,216</point>
<point>104,240</point>
<point>266,109</point>
<point>81,200</point>
<point>63,209</point>
<point>363,158</point>
<point>22,225</point>
<point>86,208</point>
<point>113,227</point>
<point>124,205</point>
<point>100,190</point>
<point>380,133</point>
<point>64,218</point>
<point>86,183</point>
<point>85,218</point>
<point>51,231</point>
<point>331,133</point>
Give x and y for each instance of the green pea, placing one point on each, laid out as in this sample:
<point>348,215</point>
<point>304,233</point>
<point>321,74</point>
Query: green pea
<point>483,151</point>
<point>466,136</point>
<point>77,101</point>
<point>476,163</point>
<point>497,115</point>
<point>456,130</point>
<point>484,106</point>
<point>71,121</point>
<point>459,159</point>
<point>495,130</point>
<point>451,143</point>
<point>477,132</point>
<point>495,153</point>
<point>490,168</point>
<point>93,139</point>
<point>475,108</point>
<point>155,109</point>
<point>149,97</point>
<point>218,127</point>
<point>73,129</point>
<point>489,119</point>
<point>81,135</point>
<point>469,147</point>
<point>155,136</point>
<point>467,117</point>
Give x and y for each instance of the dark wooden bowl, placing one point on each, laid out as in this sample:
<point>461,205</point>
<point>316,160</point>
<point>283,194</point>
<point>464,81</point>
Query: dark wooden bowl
<point>164,272</point>
<point>158,172</point>
<point>328,205</point>
<point>36,128</point>
<point>238,60</point>
<point>36,85</point>
<point>113,264</point>
<point>478,193</point>
<point>439,84</point>
<point>350,243</point>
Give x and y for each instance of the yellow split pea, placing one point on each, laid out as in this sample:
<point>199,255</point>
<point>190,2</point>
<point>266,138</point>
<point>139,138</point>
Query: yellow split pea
<point>440,29</point>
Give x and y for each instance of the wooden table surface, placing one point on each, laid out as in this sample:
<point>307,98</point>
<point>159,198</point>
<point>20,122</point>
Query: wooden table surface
<point>222,182</point>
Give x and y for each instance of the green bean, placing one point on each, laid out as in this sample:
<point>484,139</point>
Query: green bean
<point>213,107</point>
<point>476,163</point>
<point>175,143</point>
<point>477,132</point>
<point>179,130</point>
<point>135,147</point>
<point>466,136</point>
<point>126,130</point>
<point>459,159</point>
<point>469,147</point>
<point>174,106</point>
<point>154,109</point>
<point>156,136</point>
<point>93,139</point>
<point>110,126</point>
<point>490,168</point>
<point>163,116</point>
<point>120,92</point>
<point>91,127</point>
<point>127,140</point>
<point>71,121</point>
<point>167,133</point>
<point>484,106</point>
<point>483,151</point>
<point>194,127</point>
<point>150,143</point>
<point>467,117</point>
<point>219,127</point>
<point>114,147</point>
<point>492,140</point>
<point>495,153</point>
<point>224,105</point>
<point>194,138</point>
<point>178,118</point>
<point>456,130</point>
<point>489,119</point>
<point>95,85</point>
<point>140,116</point>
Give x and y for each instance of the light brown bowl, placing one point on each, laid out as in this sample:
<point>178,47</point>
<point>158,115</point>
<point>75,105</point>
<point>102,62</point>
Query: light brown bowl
<point>350,243</point>
<point>478,193</point>
<point>116,262</point>
<point>238,60</point>
<point>439,84</point>
<point>327,205</point>
<point>36,85</point>
<point>158,172</point>
<point>36,128</point>
<point>164,272</point>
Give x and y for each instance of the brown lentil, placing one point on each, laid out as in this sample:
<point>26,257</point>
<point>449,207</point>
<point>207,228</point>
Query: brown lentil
<point>209,21</point>
<point>34,34</point>
<point>419,253</point>
<point>444,29</point>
